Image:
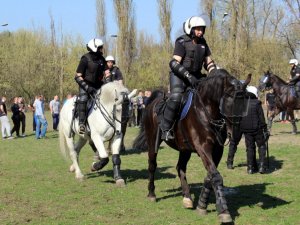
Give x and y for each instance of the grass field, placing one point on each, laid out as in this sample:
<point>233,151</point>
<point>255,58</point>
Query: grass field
<point>36,187</point>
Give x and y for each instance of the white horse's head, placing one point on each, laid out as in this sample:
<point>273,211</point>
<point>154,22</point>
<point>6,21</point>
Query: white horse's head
<point>111,96</point>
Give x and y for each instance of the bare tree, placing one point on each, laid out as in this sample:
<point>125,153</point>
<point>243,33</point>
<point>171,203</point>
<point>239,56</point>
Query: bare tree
<point>101,19</point>
<point>164,13</point>
<point>125,19</point>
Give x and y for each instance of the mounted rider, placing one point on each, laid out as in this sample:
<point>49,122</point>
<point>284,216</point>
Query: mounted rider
<point>112,72</point>
<point>295,75</point>
<point>191,52</point>
<point>89,75</point>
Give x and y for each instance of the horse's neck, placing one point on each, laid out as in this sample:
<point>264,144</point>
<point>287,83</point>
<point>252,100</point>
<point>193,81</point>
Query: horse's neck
<point>278,86</point>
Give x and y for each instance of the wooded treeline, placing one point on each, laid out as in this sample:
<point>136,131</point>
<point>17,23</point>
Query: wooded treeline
<point>245,36</point>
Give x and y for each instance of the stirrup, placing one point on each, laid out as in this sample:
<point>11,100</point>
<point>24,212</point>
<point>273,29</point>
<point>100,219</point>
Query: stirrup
<point>81,128</point>
<point>167,135</point>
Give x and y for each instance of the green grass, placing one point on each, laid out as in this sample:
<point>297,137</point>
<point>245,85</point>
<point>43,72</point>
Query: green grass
<point>36,187</point>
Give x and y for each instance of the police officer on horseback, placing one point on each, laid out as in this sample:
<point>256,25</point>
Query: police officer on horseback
<point>295,74</point>
<point>112,72</point>
<point>191,52</point>
<point>89,75</point>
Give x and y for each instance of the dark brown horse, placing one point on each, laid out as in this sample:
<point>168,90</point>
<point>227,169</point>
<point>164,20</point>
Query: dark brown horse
<point>202,131</point>
<point>284,100</point>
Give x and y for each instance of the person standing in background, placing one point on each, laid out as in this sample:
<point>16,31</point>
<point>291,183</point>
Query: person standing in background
<point>22,110</point>
<point>15,117</point>
<point>55,109</point>
<point>5,126</point>
<point>41,121</point>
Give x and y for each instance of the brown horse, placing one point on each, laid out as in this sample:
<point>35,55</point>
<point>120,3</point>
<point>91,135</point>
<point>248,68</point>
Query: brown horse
<point>284,100</point>
<point>202,131</point>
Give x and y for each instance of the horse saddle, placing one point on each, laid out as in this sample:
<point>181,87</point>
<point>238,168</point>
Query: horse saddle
<point>186,103</point>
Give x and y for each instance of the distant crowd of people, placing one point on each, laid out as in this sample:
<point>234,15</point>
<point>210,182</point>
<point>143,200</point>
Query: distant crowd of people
<point>19,108</point>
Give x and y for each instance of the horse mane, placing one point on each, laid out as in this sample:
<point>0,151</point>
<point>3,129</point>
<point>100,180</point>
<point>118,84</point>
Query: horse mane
<point>277,77</point>
<point>110,91</point>
<point>213,80</point>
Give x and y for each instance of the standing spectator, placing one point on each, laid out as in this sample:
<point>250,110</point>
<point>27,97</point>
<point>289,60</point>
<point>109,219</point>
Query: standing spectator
<point>283,117</point>
<point>140,107</point>
<point>68,97</point>
<point>15,117</point>
<point>22,109</point>
<point>41,121</point>
<point>5,126</point>
<point>270,103</point>
<point>255,131</point>
<point>55,109</point>
<point>31,107</point>
<point>146,98</point>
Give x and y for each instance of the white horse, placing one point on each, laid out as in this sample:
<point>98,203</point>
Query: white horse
<point>104,122</point>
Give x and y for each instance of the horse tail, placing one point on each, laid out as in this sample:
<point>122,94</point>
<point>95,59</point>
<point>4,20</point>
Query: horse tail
<point>62,141</point>
<point>140,142</point>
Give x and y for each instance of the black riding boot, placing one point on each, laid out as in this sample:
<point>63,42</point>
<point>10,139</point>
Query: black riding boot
<point>82,116</point>
<point>170,112</point>
<point>262,159</point>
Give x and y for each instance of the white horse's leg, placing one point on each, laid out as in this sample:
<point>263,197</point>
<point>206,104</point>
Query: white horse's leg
<point>115,147</point>
<point>97,139</point>
<point>74,158</point>
<point>78,146</point>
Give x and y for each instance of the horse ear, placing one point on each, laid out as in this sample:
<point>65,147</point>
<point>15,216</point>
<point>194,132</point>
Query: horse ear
<point>132,94</point>
<point>247,81</point>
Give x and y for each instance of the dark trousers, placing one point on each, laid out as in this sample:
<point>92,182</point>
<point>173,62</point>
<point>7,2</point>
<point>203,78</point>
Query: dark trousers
<point>139,116</point>
<point>23,122</point>
<point>16,127</point>
<point>55,117</point>
<point>251,140</point>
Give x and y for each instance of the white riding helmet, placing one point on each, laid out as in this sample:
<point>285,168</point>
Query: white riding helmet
<point>194,21</point>
<point>294,61</point>
<point>110,58</point>
<point>252,90</point>
<point>94,44</point>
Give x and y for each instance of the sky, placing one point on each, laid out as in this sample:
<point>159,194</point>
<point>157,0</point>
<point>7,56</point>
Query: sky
<point>77,17</point>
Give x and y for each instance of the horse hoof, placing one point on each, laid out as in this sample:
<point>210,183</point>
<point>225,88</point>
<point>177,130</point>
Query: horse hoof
<point>120,183</point>
<point>225,218</point>
<point>187,203</point>
<point>93,168</point>
<point>80,177</point>
<point>201,212</point>
<point>152,198</point>
<point>72,169</point>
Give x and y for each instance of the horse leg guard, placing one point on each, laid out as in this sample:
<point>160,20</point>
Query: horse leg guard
<point>117,173</point>
<point>99,165</point>
<point>262,159</point>
<point>204,197</point>
<point>230,157</point>
<point>116,166</point>
<point>293,122</point>
<point>221,204</point>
